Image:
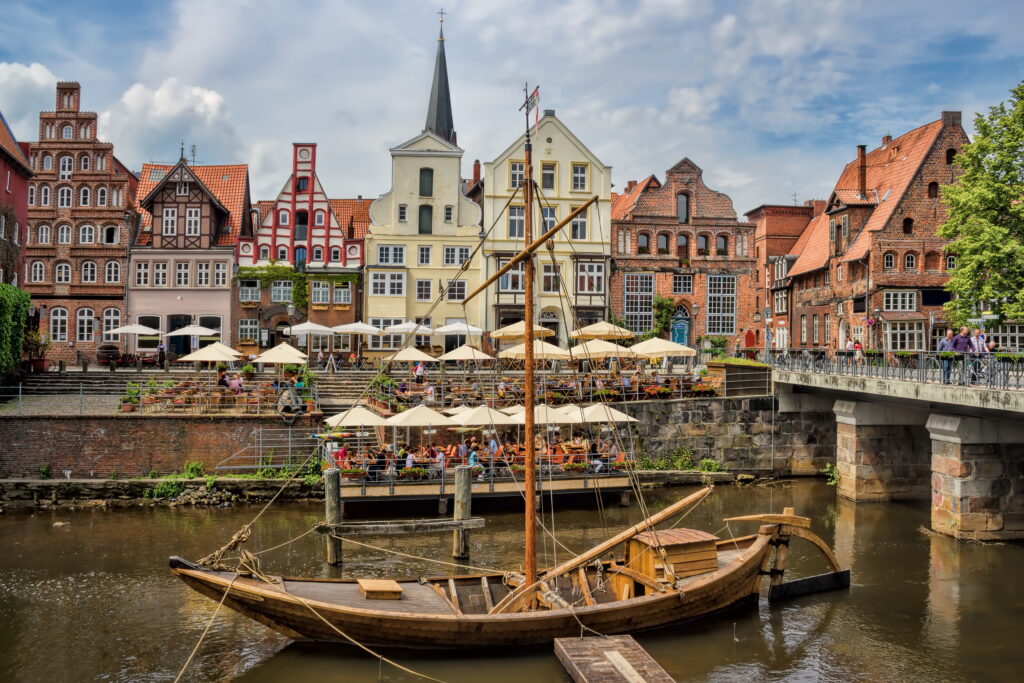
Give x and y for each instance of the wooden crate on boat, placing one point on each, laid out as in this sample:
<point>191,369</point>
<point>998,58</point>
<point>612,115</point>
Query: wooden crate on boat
<point>380,589</point>
<point>688,551</point>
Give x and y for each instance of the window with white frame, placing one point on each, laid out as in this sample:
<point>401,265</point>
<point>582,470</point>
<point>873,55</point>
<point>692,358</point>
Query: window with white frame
<point>516,222</point>
<point>47,163</point>
<point>550,278</point>
<point>548,216</point>
<point>403,211</point>
<point>318,254</point>
<point>449,213</point>
<point>58,324</point>
<point>815,328</point>
<point>391,254</point>
<point>44,196</point>
<point>512,281</point>
<point>38,272</point>
<point>319,218</point>
<point>342,342</point>
<point>181,273</point>
<point>181,189</point>
<point>66,166</point>
<point>950,262</point>
<point>264,253</point>
<point>111,320</point>
<point>281,291</point>
<point>590,277</point>
<point>579,177</point>
<point>192,222</point>
<point>282,253</point>
<point>43,234</point>
<point>160,274</point>
<point>320,293</point>
<point>839,273</point>
<point>141,273</point>
<point>220,274</point>
<point>682,284</point>
<point>456,290</point>
<point>846,227</point>
<point>803,329</point>
<point>62,273</point>
<point>455,256</point>
<point>86,234</point>
<point>384,342</point>
<point>64,198</point>
<point>387,284</point>
<point>910,262</point>
<point>282,217</point>
<point>248,290</point>
<point>423,255</point>
<point>779,301</point>
<point>83,196</point>
<point>423,339</point>
<point>424,290</point>
<point>516,174</point>
<point>84,325</point>
<point>101,196</point>
<point>202,274</point>
<point>889,261</point>
<point>899,300</point>
<point>343,294</point>
<point>827,332</point>
<point>638,301</point>
<point>857,333</point>
<point>547,175</point>
<point>335,254</point>
<point>905,335</point>
<point>169,223</point>
<point>248,328</point>
<point>721,317</point>
<point>67,132</point>
<point>1009,336</point>
<point>31,195</point>
<point>112,272</point>
<point>579,227</point>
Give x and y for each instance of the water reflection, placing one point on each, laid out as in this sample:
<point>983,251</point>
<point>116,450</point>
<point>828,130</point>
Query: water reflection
<point>94,600</point>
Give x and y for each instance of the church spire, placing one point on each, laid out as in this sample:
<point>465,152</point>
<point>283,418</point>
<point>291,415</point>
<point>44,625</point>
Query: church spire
<point>439,108</point>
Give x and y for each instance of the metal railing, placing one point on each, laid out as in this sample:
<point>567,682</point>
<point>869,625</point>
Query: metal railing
<point>988,370</point>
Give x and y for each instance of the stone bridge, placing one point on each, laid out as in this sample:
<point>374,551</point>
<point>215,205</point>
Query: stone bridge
<point>958,445</point>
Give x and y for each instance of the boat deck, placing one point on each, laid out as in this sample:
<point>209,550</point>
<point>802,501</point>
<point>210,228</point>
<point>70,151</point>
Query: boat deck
<point>416,598</point>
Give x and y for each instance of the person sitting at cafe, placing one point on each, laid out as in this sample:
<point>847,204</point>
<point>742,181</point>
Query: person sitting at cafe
<point>410,456</point>
<point>236,383</point>
<point>222,379</point>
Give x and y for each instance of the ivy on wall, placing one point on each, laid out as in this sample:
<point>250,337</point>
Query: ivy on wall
<point>14,305</point>
<point>265,275</point>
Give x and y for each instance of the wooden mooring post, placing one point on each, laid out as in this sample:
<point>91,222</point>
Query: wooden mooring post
<point>463,507</point>
<point>332,512</point>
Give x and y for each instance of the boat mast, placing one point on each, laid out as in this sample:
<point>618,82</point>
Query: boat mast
<point>530,484</point>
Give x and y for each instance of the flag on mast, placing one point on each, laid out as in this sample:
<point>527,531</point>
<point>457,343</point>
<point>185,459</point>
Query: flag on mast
<point>535,105</point>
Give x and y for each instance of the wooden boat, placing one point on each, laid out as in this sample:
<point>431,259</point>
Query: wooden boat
<point>660,581</point>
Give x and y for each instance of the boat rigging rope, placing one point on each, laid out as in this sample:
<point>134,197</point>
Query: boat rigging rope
<point>206,630</point>
<point>489,570</point>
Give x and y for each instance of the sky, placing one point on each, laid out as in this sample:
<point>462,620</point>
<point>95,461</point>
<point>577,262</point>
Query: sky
<point>769,97</point>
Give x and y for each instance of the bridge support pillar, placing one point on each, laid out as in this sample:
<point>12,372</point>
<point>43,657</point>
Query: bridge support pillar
<point>977,477</point>
<point>807,439</point>
<point>882,451</point>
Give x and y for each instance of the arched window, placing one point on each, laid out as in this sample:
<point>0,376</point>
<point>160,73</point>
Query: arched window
<point>643,243</point>
<point>112,274</point>
<point>426,224</point>
<point>83,196</point>
<point>110,234</point>
<point>908,226</point>
<point>84,131</point>
<point>64,198</point>
<point>43,234</point>
<point>62,273</point>
<point>889,261</point>
<point>101,162</point>
<point>319,218</point>
<point>67,132</point>
<point>83,163</point>
<point>300,255</point>
<point>88,272</point>
<point>101,196</point>
<point>301,225</point>
<point>683,208</point>
<point>318,254</point>
<point>111,320</point>
<point>426,182</point>
<point>84,324</point>
<point>662,243</point>
<point>265,253</point>
<point>950,262</point>
<point>86,234</point>
<point>933,190</point>
<point>683,245</point>
<point>31,195</point>
<point>59,324</point>
<point>64,234</point>
<point>67,165</point>
<point>282,253</point>
<point>702,245</point>
<point>44,196</point>
<point>38,272</point>
<point>335,254</point>
<point>721,245</point>
<point>910,261</point>
<point>47,163</point>
<point>950,155</point>
<point>282,217</point>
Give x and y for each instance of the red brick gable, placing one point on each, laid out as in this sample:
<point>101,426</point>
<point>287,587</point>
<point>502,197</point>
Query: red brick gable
<point>623,204</point>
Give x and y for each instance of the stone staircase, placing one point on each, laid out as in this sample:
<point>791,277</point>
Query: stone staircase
<point>343,389</point>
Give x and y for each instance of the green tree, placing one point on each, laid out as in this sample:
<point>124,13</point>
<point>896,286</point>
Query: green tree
<point>986,216</point>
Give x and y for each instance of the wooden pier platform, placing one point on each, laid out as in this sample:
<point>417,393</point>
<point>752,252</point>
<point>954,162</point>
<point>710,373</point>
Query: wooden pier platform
<point>608,659</point>
<point>481,489</point>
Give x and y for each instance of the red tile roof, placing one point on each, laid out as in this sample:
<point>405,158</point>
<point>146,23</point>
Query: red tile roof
<point>9,144</point>
<point>811,247</point>
<point>355,212</point>
<point>625,202</point>
<point>229,184</point>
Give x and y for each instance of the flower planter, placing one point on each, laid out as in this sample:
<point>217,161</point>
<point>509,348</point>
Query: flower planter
<point>128,407</point>
<point>353,475</point>
<point>40,365</point>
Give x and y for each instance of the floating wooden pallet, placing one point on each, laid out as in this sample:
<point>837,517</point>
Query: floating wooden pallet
<point>608,659</point>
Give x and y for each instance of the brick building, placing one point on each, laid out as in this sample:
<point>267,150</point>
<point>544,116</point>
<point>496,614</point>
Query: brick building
<point>871,266</point>
<point>14,175</point>
<point>681,240</point>
<point>79,212</point>
<point>305,230</point>
<point>183,255</point>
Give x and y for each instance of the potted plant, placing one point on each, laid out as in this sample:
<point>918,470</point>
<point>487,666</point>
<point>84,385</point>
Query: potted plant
<point>290,370</point>
<point>624,465</point>
<point>703,390</point>
<point>516,468</point>
<point>412,473</point>
<point>605,394</point>
<point>248,371</point>
<point>574,467</point>
<point>36,345</point>
<point>906,359</point>
<point>130,399</point>
<point>1011,358</point>
<point>352,472</point>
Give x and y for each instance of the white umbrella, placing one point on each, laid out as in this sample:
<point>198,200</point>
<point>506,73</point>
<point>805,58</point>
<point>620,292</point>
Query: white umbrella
<point>356,328</point>
<point>411,355</point>
<point>484,416</point>
<point>420,416</point>
<point>604,413</point>
<point>225,348</point>
<point>309,328</point>
<point>465,352</point>
<point>514,410</point>
<point>464,329</point>
<point>134,328</point>
<point>545,414</point>
<point>518,331</point>
<point>357,416</point>
<point>408,328</point>
<point>193,331</point>
<point>660,348</point>
<point>209,354</point>
<point>603,330</point>
<point>599,348</point>
<point>282,354</point>
<point>456,410</point>
<point>541,351</point>
<point>575,412</point>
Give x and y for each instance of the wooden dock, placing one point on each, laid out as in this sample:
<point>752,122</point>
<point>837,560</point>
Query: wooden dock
<point>481,489</point>
<point>608,659</point>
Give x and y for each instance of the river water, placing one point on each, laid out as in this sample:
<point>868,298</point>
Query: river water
<point>93,600</point>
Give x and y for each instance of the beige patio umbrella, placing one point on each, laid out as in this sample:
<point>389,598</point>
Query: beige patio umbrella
<point>456,410</point>
<point>282,354</point>
<point>574,411</point>
<point>599,348</point>
<point>465,352</point>
<point>356,416</point>
<point>420,416</point>
<point>514,410</point>
<point>209,354</point>
<point>412,355</point>
<point>541,351</point>
<point>660,348</point>
<point>545,414</point>
<point>518,331</point>
<point>225,348</point>
<point>603,330</point>
<point>484,416</point>
<point>604,413</point>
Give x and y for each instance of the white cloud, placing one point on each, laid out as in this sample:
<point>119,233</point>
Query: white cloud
<point>25,90</point>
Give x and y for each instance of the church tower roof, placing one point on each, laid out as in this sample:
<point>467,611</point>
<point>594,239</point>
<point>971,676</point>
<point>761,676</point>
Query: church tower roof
<point>439,108</point>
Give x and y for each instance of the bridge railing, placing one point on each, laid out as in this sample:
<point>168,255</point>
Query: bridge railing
<point>989,370</point>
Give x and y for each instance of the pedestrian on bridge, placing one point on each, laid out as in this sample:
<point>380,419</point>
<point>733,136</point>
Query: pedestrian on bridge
<point>946,344</point>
